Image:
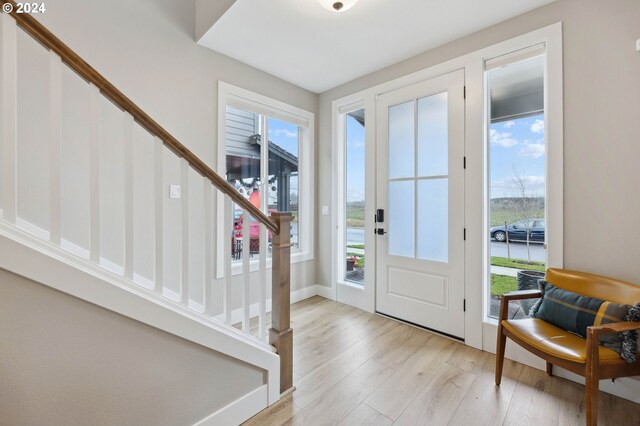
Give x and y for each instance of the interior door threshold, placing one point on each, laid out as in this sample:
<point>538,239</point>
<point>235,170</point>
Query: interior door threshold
<point>449,336</point>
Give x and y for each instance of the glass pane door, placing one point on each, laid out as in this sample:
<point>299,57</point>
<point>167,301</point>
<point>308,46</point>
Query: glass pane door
<point>420,188</point>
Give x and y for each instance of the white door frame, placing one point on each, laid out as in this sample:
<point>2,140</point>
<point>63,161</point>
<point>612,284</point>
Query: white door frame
<point>473,64</point>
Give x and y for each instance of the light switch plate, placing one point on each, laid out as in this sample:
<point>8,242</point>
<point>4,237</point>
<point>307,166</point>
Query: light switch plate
<point>174,191</point>
<point>638,45</point>
<point>325,210</point>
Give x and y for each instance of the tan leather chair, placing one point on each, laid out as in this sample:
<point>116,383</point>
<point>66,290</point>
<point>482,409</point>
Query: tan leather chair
<point>559,347</point>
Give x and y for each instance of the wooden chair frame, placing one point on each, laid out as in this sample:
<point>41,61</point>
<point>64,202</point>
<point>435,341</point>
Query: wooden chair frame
<point>593,370</point>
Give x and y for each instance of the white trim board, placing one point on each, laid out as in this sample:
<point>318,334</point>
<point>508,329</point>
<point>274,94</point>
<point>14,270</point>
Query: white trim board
<point>326,292</point>
<point>239,410</point>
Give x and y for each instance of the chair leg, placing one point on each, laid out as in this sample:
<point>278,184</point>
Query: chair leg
<point>502,341</point>
<point>549,368</point>
<point>592,377</point>
<point>592,390</point>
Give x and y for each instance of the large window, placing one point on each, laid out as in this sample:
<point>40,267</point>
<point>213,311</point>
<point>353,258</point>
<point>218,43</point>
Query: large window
<point>517,175</point>
<point>266,156</point>
<point>246,131</point>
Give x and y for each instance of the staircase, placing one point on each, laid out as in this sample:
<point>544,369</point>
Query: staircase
<point>85,209</point>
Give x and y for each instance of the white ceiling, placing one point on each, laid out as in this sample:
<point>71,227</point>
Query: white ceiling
<point>301,42</point>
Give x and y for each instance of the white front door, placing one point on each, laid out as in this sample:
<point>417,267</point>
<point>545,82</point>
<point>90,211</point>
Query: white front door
<point>420,187</point>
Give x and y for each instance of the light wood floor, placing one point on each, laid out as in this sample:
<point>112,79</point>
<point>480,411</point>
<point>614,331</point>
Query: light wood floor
<point>356,368</point>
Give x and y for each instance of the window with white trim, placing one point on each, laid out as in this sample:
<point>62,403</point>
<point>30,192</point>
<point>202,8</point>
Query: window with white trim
<point>516,175</point>
<point>274,176</point>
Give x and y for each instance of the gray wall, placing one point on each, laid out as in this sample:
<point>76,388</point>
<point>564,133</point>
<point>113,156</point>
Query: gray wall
<point>67,362</point>
<point>601,131</point>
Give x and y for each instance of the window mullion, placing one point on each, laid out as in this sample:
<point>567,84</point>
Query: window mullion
<point>264,164</point>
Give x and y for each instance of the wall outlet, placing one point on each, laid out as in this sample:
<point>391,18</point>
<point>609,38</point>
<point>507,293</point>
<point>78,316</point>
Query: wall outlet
<point>638,45</point>
<point>325,210</point>
<point>174,191</point>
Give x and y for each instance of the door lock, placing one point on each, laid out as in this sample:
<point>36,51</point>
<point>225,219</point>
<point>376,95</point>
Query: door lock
<point>379,231</point>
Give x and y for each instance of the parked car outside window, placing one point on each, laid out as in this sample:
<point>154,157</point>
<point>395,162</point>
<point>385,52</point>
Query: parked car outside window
<point>517,231</point>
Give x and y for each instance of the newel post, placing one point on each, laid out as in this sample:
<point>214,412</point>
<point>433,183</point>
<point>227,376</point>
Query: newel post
<point>281,334</point>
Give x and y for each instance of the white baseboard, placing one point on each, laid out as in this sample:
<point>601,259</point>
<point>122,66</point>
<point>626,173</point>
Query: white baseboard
<point>326,292</point>
<point>304,293</point>
<point>624,387</point>
<point>238,411</point>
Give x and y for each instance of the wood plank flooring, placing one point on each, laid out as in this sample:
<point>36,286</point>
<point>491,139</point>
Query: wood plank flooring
<point>356,368</point>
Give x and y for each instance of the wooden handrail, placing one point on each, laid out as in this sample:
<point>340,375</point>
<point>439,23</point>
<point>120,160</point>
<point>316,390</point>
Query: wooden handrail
<point>38,31</point>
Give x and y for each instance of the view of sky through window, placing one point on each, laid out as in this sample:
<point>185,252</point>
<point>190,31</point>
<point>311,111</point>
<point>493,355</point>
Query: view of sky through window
<point>517,146</point>
<point>284,134</point>
<point>355,160</point>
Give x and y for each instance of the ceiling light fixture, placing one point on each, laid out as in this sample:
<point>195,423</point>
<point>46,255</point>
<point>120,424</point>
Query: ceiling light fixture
<point>337,5</point>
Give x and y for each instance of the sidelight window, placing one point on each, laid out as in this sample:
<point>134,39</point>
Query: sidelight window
<point>516,173</point>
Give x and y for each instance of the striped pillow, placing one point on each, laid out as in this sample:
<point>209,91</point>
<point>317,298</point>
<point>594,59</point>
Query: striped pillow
<point>574,312</point>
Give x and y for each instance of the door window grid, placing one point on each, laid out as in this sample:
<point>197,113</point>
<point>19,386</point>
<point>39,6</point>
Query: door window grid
<point>418,160</point>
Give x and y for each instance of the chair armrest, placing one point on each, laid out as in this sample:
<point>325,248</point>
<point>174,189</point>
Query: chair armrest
<point>521,294</point>
<point>614,327</point>
<point>593,339</point>
<point>515,295</point>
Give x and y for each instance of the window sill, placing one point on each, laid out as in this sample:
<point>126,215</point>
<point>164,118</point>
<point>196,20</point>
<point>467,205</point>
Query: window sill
<point>352,285</point>
<point>491,321</point>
